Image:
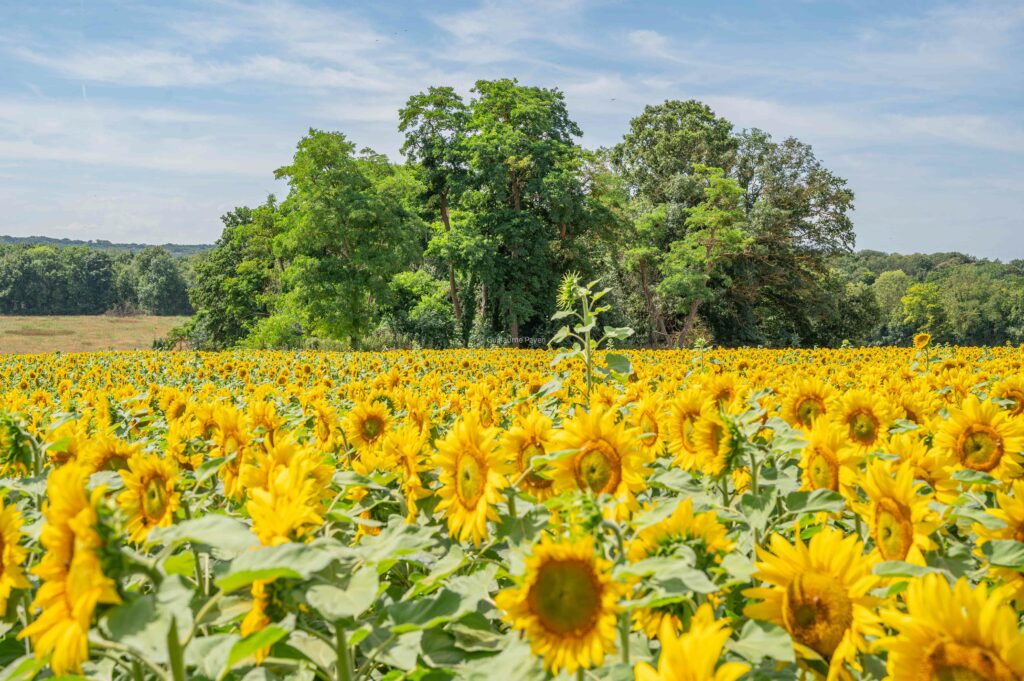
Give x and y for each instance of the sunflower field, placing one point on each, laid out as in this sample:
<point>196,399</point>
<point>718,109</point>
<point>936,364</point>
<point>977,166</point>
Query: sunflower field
<point>482,514</point>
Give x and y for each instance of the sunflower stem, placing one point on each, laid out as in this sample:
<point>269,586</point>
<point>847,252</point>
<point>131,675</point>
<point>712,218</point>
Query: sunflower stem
<point>344,670</point>
<point>512,503</point>
<point>624,636</point>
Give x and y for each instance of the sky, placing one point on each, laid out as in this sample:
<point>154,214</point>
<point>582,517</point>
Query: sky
<point>145,122</point>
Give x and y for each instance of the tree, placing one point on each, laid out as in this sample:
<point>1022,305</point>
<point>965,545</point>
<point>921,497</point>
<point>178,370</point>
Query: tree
<point>524,198</point>
<point>160,285</point>
<point>923,310</point>
<point>343,238</point>
<point>434,123</point>
<point>715,233</point>
<point>236,281</point>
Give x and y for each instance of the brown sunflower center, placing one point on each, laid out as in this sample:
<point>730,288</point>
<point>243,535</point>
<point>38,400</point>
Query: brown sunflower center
<point>822,469</point>
<point>808,409</point>
<point>470,476</point>
<point>981,448</point>
<point>154,498</point>
<point>566,596</point>
<point>894,532</point>
<point>817,612</point>
<point>863,426</point>
<point>597,467</point>
<point>372,427</point>
<point>686,430</point>
<point>717,436</point>
<point>526,455</point>
<point>951,661</point>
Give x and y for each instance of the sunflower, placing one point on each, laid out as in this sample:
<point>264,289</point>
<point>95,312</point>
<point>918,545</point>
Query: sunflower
<point>866,417</point>
<point>230,439</point>
<point>529,437</point>
<point>1012,389</point>
<point>472,475</point>
<point>72,577</point>
<point>959,633</point>
<point>984,437</point>
<point>922,340</point>
<point>645,417</point>
<point>566,603</point>
<point>288,507</point>
<point>702,532</point>
<point>819,592</point>
<point>604,457</point>
<point>149,497</point>
<point>404,448</point>
<point>805,400</point>
<point>930,464</point>
<point>365,424</point>
<point>713,441</point>
<point>828,461</point>
<point>1010,510</point>
<point>12,554</point>
<point>694,655</point>
<point>899,515</point>
<point>678,423</point>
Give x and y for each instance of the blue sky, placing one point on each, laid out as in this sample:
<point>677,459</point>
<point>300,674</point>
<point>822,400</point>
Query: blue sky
<point>146,122</point>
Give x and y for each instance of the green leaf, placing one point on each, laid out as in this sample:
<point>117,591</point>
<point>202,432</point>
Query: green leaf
<point>973,477</point>
<point>23,669</point>
<point>758,640</point>
<point>295,561</point>
<point>397,540</point>
<point>183,564</point>
<point>460,597</point>
<point>209,654</point>
<point>335,603</point>
<point>898,568</point>
<point>618,332</point>
<point>254,642</point>
<point>561,314</point>
<point>560,335</point>
<point>620,364</point>
<point>814,501</point>
<point>226,536</point>
<point>758,509</point>
<point>1005,553</point>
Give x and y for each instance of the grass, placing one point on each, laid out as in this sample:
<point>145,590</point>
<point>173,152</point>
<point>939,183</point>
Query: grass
<point>28,335</point>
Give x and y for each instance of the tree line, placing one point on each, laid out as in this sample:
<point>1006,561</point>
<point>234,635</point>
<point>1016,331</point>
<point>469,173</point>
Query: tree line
<point>82,280</point>
<point>699,229</point>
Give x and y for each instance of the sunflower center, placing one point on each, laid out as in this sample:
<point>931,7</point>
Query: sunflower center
<point>823,470</point>
<point>980,448</point>
<point>154,499</point>
<point>566,596</point>
<point>597,467</point>
<point>372,427</point>
<point>526,455</point>
<point>911,414</point>
<point>808,409</point>
<point>863,426</point>
<point>894,533</point>
<point>717,435</point>
<point>950,661</point>
<point>470,476</point>
<point>817,612</point>
<point>648,429</point>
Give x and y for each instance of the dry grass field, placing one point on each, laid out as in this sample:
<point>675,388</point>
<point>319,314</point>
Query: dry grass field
<point>26,335</point>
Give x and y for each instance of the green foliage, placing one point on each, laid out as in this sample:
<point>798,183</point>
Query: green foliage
<point>344,235</point>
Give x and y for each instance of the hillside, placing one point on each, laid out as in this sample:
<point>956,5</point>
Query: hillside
<point>177,250</point>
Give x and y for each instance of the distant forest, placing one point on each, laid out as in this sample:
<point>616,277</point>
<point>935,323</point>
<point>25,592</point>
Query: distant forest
<point>177,250</point>
<point>81,280</point>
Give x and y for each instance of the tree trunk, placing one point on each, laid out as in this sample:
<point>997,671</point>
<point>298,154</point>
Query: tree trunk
<point>691,319</point>
<point>453,290</point>
<point>657,323</point>
<point>514,328</point>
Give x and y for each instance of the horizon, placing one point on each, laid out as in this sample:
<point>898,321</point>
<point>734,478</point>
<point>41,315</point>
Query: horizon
<point>146,124</point>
